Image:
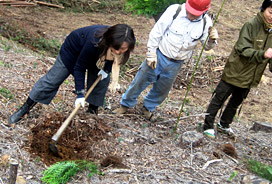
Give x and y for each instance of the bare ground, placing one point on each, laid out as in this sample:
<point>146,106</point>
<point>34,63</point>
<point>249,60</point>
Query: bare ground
<point>145,152</point>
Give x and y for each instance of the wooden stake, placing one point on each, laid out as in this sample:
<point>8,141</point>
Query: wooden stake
<point>13,171</point>
<point>48,4</point>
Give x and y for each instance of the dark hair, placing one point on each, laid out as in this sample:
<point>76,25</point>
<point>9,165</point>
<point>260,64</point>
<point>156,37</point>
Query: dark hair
<point>266,4</point>
<point>115,36</point>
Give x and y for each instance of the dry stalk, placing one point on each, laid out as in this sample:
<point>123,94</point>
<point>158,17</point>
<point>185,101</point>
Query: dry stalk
<point>210,162</point>
<point>19,150</point>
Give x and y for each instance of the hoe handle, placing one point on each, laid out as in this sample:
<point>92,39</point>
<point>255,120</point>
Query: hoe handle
<point>68,120</point>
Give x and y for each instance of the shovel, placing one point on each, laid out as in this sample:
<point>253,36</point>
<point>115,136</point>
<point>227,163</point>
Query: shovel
<point>52,145</point>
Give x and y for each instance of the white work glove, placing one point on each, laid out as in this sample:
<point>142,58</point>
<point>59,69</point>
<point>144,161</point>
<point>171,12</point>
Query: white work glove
<point>80,101</point>
<point>213,34</point>
<point>151,60</point>
<point>103,73</point>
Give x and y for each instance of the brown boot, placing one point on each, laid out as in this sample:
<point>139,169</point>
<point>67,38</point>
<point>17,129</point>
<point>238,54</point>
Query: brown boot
<point>147,114</point>
<point>121,110</point>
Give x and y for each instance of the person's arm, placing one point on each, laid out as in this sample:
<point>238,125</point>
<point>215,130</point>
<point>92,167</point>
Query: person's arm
<point>79,75</point>
<point>245,45</point>
<point>211,43</point>
<point>160,27</point>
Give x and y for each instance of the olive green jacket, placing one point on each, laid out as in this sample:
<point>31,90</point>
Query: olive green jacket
<point>246,63</point>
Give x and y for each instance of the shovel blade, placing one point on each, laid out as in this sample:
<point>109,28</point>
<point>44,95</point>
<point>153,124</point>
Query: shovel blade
<point>53,148</point>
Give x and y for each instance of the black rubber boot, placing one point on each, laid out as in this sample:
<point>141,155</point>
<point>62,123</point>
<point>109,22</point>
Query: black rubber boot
<point>17,116</point>
<point>93,109</point>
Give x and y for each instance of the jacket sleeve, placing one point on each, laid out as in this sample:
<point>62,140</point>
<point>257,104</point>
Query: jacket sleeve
<point>160,27</point>
<point>245,45</point>
<point>79,75</point>
<point>81,66</point>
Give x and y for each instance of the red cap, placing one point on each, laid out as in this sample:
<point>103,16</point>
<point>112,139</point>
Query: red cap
<point>197,7</point>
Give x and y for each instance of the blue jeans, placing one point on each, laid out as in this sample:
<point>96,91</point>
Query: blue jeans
<point>162,77</point>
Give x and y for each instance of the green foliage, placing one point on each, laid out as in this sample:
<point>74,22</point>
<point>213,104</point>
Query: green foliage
<point>37,159</point>
<point>43,44</point>
<point>35,64</point>
<point>233,174</point>
<point>93,169</point>
<point>210,57</point>
<point>6,93</point>
<point>7,48</point>
<point>263,170</point>
<point>26,37</point>
<point>150,7</point>
<point>61,172</point>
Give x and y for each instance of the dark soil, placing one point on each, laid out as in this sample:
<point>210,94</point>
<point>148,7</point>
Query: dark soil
<point>75,143</point>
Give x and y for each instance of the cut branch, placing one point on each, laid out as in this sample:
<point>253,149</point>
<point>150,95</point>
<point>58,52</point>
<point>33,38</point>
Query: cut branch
<point>48,4</point>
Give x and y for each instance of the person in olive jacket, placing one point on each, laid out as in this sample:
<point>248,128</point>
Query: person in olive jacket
<point>243,70</point>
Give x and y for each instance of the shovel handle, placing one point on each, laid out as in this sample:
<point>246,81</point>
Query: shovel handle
<point>70,117</point>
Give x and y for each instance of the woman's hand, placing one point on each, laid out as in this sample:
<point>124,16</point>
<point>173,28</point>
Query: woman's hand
<point>103,73</point>
<point>80,101</point>
<point>268,53</point>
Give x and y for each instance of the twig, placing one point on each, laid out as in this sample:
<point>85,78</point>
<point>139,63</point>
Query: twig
<point>48,4</point>
<point>120,115</point>
<point>192,153</point>
<point>233,159</point>
<point>133,70</point>
<point>210,162</point>
<point>98,2</point>
<point>3,125</point>
<point>196,115</point>
<point>184,117</point>
<point>19,150</point>
<point>116,170</point>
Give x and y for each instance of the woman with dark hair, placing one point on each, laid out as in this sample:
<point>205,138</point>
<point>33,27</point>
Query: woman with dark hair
<point>244,68</point>
<point>93,49</point>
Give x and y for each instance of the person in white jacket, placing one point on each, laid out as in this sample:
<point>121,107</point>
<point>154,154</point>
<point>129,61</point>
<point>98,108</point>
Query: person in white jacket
<point>172,40</point>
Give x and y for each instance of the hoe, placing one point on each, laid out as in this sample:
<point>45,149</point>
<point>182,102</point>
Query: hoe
<point>53,143</point>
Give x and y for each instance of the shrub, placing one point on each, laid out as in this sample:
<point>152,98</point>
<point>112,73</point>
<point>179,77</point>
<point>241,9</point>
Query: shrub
<point>150,7</point>
<point>263,170</point>
<point>61,172</point>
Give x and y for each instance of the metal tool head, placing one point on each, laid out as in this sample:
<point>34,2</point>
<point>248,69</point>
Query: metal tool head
<point>54,148</point>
